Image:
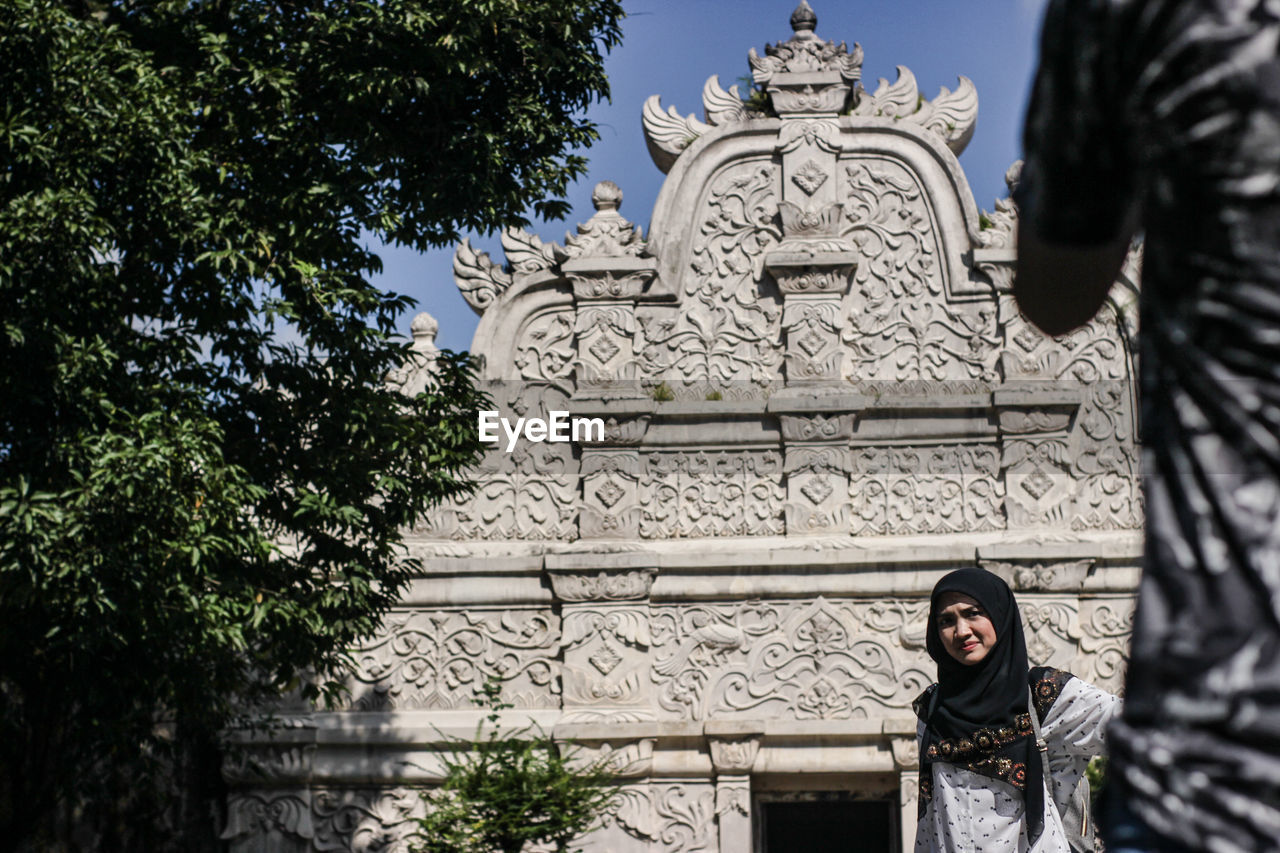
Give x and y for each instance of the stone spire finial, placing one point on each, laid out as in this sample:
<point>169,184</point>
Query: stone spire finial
<point>805,53</point>
<point>606,233</point>
<point>804,19</point>
<point>424,328</point>
<point>606,196</point>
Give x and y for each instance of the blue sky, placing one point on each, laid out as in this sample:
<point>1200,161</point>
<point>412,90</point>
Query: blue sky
<point>670,48</point>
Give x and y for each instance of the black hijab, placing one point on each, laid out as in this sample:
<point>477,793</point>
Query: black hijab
<point>990,694</point>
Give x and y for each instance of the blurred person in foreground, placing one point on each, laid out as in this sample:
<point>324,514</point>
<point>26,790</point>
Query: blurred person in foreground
<point>1164,116</point>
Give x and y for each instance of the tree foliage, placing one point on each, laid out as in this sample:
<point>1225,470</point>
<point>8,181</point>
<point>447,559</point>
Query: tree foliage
<point>204,475</point>
<point>503,791</point>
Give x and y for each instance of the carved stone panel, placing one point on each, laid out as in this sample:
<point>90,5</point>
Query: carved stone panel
<point>611,585</point>
<point>727,329</point>
<point>605,335</point>
<point>606,662</point>
<point>711,493</point>
<point>530,492</point>
<point>1106,465</point>
<point>817,489</point>
<point>734,755</point>
<point>686,813</point>
<point>441,659</point>
<point>269,822</point>
<point>930,489</point>
<point>1052,630</point>
<point>900,325</point>
<point>797,660</point>
<point>1106,624</point>
<point>1102,460</point>
<point>812,328</point>
<point>610,494</point>
<point>366,821</point>
<point>629,823</point>
<point>545,346</point>
<point>1038,483</point>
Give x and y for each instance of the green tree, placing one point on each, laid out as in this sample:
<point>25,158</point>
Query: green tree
<point>503,791</point>
<point>204,475</point>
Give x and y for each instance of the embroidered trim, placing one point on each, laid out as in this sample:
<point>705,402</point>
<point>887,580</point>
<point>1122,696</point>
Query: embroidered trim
<point>1046,687</point>
<point>980,742</point>
<point>1006,769</point>
<point>977,752</point>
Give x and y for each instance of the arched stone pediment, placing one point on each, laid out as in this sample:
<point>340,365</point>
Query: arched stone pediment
<point>816,396</point>
<point>820,318</point>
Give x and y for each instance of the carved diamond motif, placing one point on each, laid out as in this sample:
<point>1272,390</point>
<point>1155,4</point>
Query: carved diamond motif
<point>812,343</point>
<point>610,493</point>
<point>1027,339</point>
<point>809,177</point>
<point>1037,483</point>
<point>817,489</point>
<point>605,659</point>
<point>604,349</point>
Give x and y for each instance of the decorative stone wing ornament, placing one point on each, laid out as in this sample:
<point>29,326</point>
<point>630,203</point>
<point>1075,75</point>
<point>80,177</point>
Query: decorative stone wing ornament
<point>951,115</point>
<point>668,134</point>
<point>480,279</point>
<point>898,100</point>
<point>526,253</point>
<point>721,107</point>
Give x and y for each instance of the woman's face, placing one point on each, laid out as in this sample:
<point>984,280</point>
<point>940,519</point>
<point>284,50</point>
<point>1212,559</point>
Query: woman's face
<point>964,628</point>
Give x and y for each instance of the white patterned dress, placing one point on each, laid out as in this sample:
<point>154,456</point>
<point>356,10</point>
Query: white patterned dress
<point>970,812</point>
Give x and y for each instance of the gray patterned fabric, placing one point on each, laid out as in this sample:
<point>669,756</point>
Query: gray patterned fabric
<point>1175,107</point>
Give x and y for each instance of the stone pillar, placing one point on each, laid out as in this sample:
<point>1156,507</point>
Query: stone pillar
<point>610,494</point>
<point>1035,420</point>
<point>817,464</point>
<point>611,470</point>
<point>812,284</point>
<point>608,271</point>
<point>906,759</point>
<point>605,624</point>
<point>813,263</point>
<point>734,747</point>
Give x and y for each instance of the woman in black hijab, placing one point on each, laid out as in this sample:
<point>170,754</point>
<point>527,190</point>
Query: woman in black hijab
<point>983,779</point>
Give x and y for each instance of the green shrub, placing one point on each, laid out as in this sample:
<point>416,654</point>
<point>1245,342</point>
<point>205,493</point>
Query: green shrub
<point>504,791</point>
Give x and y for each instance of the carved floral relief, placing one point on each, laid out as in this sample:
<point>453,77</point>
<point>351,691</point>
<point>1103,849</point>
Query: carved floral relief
<point>816,659</point>
<point>711,493</point>
<point>366,821</point>
<point>544,348</point>
<point>531,492</point>
<point>441,659</point>
<point>261,821</point>
<point>629,818</point>
<point>939,489</point>
<point>686,815</point>
<point>1052,630</point>
<point>727,329</point>
<point>900,325</point>
<point>1106,624</point>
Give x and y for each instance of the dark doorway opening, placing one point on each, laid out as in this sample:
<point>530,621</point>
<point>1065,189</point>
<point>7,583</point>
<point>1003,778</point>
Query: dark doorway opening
<point>830,824</point>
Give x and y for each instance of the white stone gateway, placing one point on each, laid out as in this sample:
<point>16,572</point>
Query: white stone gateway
<point>817,397</point>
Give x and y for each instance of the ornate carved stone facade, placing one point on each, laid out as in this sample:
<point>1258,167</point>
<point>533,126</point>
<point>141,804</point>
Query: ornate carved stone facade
<point>817,396</point>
